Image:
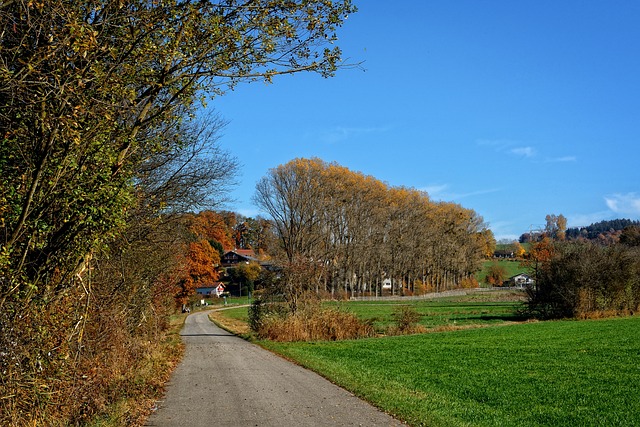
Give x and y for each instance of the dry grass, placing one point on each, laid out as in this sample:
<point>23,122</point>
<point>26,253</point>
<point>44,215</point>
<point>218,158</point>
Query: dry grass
<point>314,324</point>
<point>142,384</point>
<point>103,388</point>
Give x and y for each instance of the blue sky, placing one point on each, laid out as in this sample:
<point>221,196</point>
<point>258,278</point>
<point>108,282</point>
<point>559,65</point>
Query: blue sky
<point>515,109</point>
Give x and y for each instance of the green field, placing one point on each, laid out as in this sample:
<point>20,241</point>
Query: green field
<point>476,309</point>
<point>512,267</point>
<point>471,310</point>
<point>569,373</point>
<point>560,373</point>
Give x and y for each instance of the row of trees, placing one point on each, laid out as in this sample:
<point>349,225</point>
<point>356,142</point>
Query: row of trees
<point>99,157</point>
<point>342,230</point>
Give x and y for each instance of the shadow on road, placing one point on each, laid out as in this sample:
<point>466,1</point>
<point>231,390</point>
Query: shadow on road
<point>206,335</point>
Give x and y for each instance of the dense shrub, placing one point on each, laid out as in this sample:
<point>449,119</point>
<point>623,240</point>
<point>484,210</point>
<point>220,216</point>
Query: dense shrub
<point>310,322</point>
<point>406,320</point>
<point>582,279</point>
<point>264,307</point>
<point>67,360</point>
<point>326,324</point>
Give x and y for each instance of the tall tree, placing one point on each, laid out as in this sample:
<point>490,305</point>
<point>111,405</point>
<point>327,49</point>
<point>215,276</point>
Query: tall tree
<point>199,270</point>
<point>292,195</point>
<point>556,226</point>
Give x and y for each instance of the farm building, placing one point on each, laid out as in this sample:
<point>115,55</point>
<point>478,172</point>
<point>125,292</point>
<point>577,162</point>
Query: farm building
<point>520,280</point>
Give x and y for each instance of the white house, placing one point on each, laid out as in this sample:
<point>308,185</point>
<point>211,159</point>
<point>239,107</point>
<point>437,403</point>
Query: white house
<point>520,280</point>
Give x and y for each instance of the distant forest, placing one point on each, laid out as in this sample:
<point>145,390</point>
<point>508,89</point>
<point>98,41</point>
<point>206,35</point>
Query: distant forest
<point>599,229</point>
<point>606,232</point>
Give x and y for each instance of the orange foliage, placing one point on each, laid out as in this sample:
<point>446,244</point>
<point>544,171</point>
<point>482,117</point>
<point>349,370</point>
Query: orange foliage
<point>211,225</point>
<point>469,283</point>
<point>199,269</point>
<point>518,250</point>
<point>542,251</point>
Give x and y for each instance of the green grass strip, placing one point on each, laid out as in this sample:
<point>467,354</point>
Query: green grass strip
<point>568,373</point>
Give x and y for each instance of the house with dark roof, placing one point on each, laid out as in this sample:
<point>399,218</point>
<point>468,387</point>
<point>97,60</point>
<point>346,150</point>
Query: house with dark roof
<point>237,256</point>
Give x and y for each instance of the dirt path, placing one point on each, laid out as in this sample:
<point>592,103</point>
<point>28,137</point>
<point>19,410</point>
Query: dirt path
<point>226,381</point>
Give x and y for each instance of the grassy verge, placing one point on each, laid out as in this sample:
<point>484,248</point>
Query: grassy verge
<point>232,319</point>
<point>460,312</point>
<point>553,373</point>
<point>150,376</point>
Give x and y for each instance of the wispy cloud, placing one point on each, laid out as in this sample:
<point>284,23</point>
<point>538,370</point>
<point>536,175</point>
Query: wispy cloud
<point>624,204</point>
<point>476,193</point>
<point>503,231</point>
<point>434,190</point>
<point>343,133</point>
<point>441,192</point>
<point>564,159</point>
<point>519,149</point>
<point>508,146</point>
<point>618,205</point>
<point>523,151</point>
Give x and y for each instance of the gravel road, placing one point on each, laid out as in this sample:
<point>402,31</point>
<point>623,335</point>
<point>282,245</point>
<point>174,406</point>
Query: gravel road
<point>226,381</point>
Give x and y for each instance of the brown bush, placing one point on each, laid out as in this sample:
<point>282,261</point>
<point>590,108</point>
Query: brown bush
<point>406,321</point>
<point>314,323</point>
<point>469,283</point>
<point>76,358</point>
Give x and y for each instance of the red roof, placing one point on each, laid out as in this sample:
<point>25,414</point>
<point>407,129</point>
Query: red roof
<point>214,285</point>
<point>245,252</point>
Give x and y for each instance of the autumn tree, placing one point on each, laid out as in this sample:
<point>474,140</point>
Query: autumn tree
<point>88,87</point>
<point>212,226</point>
<point>496,275</point>
<point>518,249</point>
<point>292,195</point>
<point>541,252</point>
<point>258,235</point>
<point>556,226</point>
<point>245,275</point>
<point>199,270</point>
<point>487,242</point>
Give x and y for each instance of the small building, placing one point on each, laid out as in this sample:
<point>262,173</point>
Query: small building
<point>215,289</point>
<point>503,253</point>
<point>521,280</point>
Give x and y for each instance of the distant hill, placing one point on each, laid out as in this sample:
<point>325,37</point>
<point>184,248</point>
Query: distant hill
<point>600,229</point>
